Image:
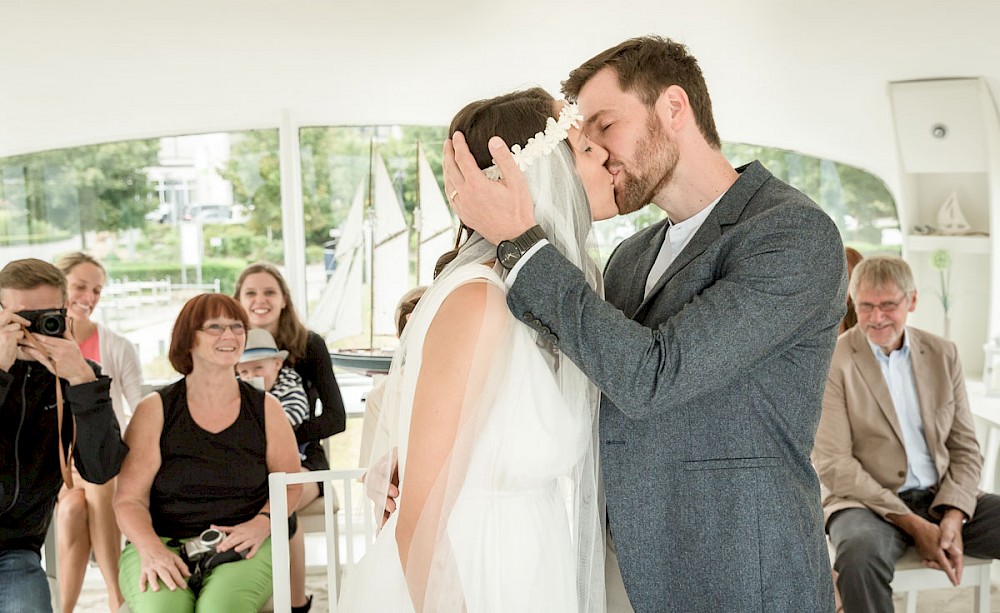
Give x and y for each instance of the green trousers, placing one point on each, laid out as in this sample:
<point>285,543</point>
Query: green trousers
<point>234,587</point>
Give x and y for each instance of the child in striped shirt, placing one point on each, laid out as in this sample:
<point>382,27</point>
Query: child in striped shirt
<point>262,364</point>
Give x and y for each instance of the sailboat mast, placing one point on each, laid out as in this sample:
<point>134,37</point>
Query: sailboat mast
<point>370,213</point>
<point>418,224</point>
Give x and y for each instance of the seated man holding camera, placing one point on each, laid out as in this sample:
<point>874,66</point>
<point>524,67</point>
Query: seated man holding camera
<point>34,350</point>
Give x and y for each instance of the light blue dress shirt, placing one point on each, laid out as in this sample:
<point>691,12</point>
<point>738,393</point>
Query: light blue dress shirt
<point>897,369</point>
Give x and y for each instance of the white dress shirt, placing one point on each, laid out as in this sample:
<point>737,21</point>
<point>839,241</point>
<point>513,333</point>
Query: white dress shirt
<point>678,236</point>
<point>897,369</point>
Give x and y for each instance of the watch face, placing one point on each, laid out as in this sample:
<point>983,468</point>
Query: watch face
<point>508,253</point>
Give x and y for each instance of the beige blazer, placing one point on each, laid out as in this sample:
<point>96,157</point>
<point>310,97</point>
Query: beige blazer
<point>859,451</point>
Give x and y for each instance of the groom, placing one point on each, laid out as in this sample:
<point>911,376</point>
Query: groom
<point>711,351</point>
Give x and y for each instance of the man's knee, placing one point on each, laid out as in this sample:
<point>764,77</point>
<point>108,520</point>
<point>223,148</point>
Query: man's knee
<point>862,556</point>
<point>865,544</point>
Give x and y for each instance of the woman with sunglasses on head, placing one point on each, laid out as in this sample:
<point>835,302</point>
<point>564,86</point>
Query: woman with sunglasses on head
<point>201,452</point>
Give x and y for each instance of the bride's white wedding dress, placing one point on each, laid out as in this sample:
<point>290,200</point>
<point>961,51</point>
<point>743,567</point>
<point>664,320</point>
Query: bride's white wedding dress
<point>518,526</point>
<point>509,527</point>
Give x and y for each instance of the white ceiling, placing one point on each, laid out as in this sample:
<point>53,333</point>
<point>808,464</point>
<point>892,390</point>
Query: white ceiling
<point>808,75</point>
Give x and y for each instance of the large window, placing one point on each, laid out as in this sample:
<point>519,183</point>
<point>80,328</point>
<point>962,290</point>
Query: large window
<point>858,201</point>
<point>173,216</point>
<point>168,217</point>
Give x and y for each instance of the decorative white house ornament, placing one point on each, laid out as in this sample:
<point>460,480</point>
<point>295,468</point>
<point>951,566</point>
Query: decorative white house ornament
<point>950,218</point>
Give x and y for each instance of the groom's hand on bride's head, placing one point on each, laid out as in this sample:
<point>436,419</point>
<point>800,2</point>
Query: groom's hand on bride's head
<point>498,210</point>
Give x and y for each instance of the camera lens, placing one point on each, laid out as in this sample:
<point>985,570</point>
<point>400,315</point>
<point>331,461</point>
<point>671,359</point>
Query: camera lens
<point>211,537</point>
<point>51,324</point>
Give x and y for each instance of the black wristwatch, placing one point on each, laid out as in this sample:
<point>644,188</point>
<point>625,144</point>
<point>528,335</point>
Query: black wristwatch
<point>509,252</point>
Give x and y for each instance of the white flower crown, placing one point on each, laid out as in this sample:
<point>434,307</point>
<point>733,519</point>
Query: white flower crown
<point>543,143</point>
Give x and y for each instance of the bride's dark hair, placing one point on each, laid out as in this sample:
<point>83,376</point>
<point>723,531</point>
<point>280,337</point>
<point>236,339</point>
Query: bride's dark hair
<point>514,117</point>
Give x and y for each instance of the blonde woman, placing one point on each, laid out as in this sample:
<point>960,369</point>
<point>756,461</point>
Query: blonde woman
<point>85,521</point>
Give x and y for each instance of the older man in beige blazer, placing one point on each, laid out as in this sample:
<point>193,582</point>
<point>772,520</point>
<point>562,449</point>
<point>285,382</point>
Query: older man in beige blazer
<point>896,449</point>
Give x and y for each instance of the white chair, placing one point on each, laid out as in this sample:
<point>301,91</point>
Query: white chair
<point>912,576</point>
<point>358,522</point>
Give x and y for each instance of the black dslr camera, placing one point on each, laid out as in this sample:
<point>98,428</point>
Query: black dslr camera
<point>50,322</point>
<point>201,557</point>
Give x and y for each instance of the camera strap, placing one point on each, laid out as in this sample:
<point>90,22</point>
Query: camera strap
<point>67,473</point>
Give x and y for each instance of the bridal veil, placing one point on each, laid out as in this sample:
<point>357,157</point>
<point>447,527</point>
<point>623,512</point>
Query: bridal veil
<point>437,574</point>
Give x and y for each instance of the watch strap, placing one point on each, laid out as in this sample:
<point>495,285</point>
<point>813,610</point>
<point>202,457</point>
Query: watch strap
<point>509,252</point>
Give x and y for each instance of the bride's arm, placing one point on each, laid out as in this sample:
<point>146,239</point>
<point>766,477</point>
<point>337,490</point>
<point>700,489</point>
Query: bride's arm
<point>448,403</point>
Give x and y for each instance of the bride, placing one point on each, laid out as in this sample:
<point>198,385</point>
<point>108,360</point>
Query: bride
<point>493,429</point>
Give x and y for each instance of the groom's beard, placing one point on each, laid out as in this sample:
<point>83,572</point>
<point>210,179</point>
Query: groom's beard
<point>652,169</point>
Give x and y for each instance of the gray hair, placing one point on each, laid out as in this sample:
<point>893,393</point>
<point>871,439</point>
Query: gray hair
<point>881,271</point>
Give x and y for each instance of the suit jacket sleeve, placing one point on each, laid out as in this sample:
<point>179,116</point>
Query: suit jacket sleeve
<point>840,472</point>
<point>773,283</point>
<point>958,486</point>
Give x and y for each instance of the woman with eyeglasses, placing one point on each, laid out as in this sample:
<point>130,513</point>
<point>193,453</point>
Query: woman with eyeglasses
<point>200,453</point>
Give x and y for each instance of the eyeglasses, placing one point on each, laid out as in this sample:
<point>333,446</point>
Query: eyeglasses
<point>219,329</point>
<point>889,306</point>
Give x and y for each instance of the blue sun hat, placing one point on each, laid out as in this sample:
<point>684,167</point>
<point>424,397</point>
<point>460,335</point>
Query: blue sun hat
<point>261,345</point>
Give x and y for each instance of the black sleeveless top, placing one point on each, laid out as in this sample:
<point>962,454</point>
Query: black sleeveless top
<point>207,478</point>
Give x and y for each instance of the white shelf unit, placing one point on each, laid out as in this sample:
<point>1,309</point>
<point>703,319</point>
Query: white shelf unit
<point>921,243</point>
<point>949,142</point>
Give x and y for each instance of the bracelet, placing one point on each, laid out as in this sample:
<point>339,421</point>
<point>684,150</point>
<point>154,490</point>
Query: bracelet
<point>265,514</point>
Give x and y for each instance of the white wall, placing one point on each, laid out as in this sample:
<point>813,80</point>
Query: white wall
<point>809,76</point>
<point>804,75</point>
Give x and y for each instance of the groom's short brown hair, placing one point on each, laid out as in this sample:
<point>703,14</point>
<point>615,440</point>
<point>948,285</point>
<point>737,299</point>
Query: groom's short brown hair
<point>646,66</point>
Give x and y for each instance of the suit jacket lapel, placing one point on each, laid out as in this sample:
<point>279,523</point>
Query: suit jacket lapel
<point>644,264</point>
<point>726,213</point>
<point>708,233</point>
<point>871,373</point>
<point>923,376</point>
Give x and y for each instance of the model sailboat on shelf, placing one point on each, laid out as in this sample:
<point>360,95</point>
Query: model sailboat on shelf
<point>950,218</point>
<point>373,262</point>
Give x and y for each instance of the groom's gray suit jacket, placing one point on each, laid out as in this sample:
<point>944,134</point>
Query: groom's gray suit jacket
<point>712,389</point>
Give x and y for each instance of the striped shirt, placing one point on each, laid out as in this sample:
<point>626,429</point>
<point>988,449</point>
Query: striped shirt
<point>289,391</point>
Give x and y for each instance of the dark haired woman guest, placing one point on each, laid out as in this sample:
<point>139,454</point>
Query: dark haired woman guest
<point>264,294</point>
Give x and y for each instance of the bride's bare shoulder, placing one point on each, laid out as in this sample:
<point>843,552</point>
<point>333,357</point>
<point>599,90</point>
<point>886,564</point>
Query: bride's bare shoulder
<point>472,305</point>
<point>476,297</point>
